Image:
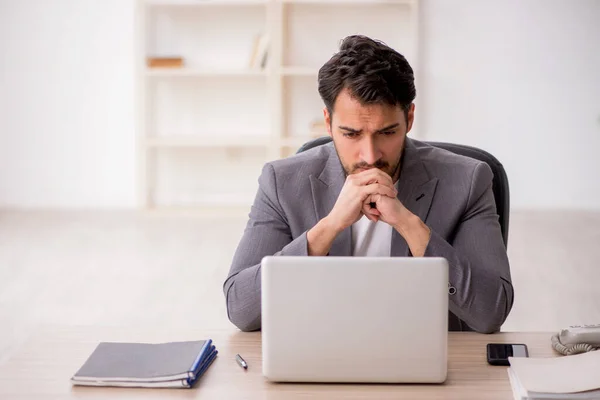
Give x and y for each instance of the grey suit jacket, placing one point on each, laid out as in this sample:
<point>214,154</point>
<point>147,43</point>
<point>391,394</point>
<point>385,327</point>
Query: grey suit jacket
<point>452,194</point>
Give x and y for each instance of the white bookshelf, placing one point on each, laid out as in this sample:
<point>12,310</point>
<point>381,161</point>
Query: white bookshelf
<point>198,72</point>
<point>193,141</point>
<point>202,3</point>
<point>300,71</point>
<point>206,129</point>
<point>349,2</point>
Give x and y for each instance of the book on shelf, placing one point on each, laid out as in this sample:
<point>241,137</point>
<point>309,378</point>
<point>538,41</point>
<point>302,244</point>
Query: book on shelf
<point>568,377</point>
<point>164,62</point>
<point>150,365</point>
<point>260,52</point>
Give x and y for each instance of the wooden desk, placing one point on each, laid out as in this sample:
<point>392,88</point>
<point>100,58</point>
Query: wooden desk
<point>43,365</point>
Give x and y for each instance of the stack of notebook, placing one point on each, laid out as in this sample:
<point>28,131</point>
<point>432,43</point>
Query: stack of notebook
<point>567,377</point>
<point>175,364</point>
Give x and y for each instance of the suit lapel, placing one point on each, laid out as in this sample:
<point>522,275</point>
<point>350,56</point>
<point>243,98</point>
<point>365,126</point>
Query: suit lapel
<point>415,191</point>
<point>325,191</point>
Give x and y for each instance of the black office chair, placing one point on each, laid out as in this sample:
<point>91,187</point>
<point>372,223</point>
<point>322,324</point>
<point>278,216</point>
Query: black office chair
<point>499,184</point>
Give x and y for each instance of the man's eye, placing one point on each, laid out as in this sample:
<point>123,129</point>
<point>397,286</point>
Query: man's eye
<point>350,135</point>
<point>388,133</point>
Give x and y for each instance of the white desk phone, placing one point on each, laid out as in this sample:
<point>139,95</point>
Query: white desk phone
<point>577,339</point>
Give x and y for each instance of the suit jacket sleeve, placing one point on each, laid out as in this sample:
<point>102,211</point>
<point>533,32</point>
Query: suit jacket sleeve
<point>267,233</point>
<point>478,263</point>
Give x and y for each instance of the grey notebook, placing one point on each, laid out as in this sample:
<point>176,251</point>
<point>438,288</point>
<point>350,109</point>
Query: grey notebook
<point>133,364</point>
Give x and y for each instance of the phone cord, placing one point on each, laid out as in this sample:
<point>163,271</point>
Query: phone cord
<point>571,349</point>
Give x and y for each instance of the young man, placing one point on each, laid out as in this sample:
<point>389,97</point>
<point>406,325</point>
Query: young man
<point>375,192</point>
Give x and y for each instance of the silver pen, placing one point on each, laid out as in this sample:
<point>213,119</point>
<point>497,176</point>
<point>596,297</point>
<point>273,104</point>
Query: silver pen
<point>242,363</point>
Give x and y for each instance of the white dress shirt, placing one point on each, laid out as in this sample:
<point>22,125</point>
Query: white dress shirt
<point>371,239</point>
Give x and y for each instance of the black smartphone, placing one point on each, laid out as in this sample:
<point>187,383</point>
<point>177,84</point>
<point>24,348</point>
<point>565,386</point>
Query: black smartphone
<point>498,353</point>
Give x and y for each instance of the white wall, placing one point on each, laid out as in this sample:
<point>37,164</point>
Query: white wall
<point>517,78</point>
<point>67,103</point>
<point>522,80</point>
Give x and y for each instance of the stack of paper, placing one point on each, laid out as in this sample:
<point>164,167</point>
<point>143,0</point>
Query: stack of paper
<point>567,377</point>
<point>175,364</point>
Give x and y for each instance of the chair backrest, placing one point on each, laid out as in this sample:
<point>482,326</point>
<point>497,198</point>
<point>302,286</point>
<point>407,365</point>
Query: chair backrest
<point>500,185</point>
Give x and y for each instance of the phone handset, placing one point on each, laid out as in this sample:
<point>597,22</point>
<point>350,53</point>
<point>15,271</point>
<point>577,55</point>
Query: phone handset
<point>577,339</point>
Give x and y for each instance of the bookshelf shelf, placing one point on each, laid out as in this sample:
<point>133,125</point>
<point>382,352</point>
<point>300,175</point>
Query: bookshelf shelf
<point>197,141</point>
<point>221,108</point>
<point>205,3</point>
<point>208,73</point>
<point>350,2</point>
<point>295,142</point>
<point>300,71</point>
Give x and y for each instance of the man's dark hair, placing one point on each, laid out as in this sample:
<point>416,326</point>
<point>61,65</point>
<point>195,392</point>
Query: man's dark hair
<point>373,72</point>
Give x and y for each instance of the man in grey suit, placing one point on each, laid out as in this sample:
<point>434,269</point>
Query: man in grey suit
<point>373,191</point>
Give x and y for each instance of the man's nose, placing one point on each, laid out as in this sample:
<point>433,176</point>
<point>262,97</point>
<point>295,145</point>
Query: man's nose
<point>369,151</point>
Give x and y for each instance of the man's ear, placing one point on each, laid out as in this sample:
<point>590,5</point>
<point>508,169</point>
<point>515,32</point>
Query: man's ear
<point>327,117</point>
<point>411,117</point>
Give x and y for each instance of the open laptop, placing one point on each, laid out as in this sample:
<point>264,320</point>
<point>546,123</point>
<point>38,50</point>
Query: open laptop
<point>354,319</point>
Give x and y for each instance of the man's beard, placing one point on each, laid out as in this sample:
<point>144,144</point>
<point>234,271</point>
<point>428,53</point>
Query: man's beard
<point>392,170</point>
